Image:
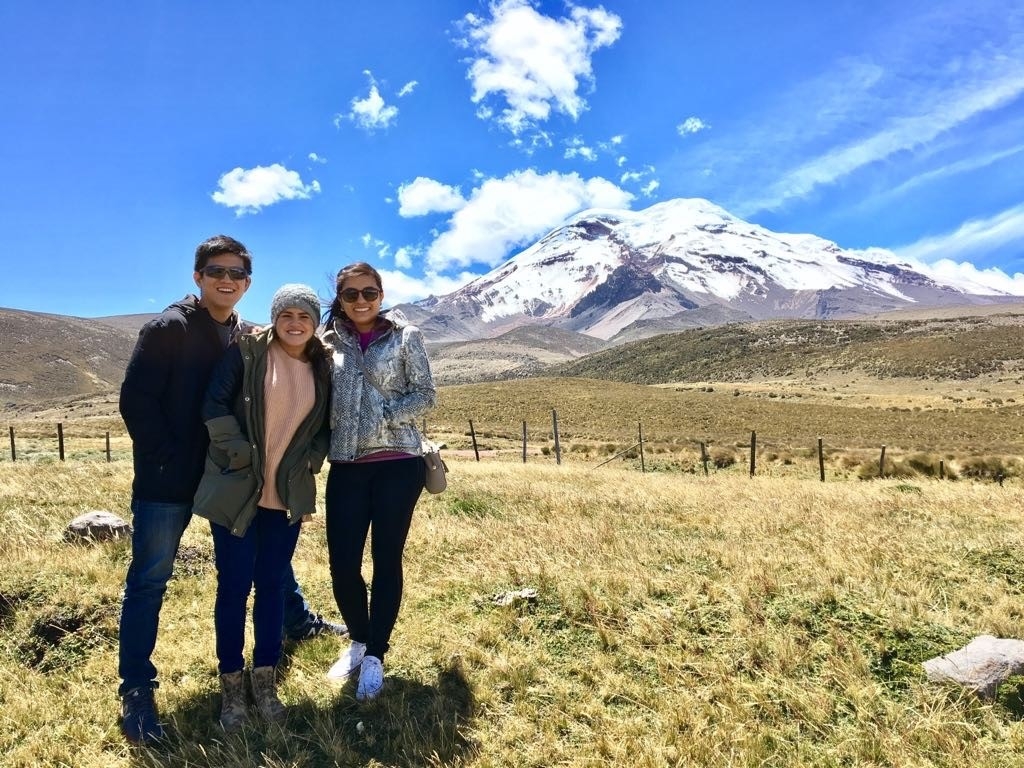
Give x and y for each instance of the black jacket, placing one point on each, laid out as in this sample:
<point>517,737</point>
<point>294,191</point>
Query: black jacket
<point>161,400</point>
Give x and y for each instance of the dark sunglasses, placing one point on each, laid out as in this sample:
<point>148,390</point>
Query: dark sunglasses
<point>217,272</point>
<point>349,295</point>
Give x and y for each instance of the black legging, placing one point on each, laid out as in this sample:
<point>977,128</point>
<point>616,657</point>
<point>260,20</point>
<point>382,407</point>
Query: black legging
<point>381,495</point>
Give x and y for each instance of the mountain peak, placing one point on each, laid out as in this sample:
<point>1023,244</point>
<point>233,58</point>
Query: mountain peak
<point>604,270</point>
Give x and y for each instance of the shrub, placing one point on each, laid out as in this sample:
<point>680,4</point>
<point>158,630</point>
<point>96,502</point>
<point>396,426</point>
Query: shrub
<point>868,470</point>
<point>926,464</point>
<point>984,467</point>
<point>722,458</point>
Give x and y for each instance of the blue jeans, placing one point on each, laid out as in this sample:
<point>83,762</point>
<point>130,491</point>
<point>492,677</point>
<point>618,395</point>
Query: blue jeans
<point>258,561</point>
<point>156,532</point>
<point>157,528</point>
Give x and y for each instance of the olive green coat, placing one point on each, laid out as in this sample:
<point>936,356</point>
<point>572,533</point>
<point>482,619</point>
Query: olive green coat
<point>233,410</point>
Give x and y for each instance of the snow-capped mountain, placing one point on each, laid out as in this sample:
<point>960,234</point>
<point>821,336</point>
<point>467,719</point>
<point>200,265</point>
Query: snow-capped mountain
<point>678,264</point>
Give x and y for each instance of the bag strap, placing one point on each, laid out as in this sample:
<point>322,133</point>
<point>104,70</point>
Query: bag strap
<point>368,378</point>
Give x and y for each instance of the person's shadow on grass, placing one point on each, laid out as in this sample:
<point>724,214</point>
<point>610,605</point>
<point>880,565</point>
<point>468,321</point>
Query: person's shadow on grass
<point>409,724</point>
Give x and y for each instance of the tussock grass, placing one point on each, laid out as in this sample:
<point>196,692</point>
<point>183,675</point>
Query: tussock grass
<point>679,620</point>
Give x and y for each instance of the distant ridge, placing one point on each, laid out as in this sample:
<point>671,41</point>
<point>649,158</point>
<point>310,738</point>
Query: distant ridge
<point>127,322</point>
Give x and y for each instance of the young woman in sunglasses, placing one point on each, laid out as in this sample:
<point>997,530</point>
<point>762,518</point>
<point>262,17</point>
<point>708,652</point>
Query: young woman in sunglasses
<point>381,385</point>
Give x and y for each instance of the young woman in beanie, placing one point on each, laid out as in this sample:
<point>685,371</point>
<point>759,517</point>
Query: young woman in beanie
<point>381,385</point>
<point>266,411</point>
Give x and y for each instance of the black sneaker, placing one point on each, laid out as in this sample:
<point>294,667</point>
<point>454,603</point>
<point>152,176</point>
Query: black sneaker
<point>140,723</point>
<point>317,625</point>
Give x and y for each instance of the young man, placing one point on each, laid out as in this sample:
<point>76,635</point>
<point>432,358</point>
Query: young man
<point>161,400</point>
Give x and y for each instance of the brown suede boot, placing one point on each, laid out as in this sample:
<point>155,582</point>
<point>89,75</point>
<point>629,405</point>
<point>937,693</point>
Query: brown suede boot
<point>264,691</point>
<point>233,711</point>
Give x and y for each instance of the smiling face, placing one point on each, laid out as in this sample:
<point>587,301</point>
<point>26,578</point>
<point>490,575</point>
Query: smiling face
<point>293,329</point>
<point>361,311</point>
<point>220,294</point>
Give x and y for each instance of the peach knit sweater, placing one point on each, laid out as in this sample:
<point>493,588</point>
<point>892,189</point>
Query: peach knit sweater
<point>289,391</point>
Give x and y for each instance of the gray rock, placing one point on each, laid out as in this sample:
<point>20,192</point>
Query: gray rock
<point>96,526</point>
<point>515,597</point>
<point>980,666</point>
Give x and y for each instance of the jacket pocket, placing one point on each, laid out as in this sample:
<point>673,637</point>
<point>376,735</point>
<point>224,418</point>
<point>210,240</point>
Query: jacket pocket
<point>223,494</point>
<point>301,489</point>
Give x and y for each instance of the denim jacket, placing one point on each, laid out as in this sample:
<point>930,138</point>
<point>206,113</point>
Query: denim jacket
<point>369,419</point>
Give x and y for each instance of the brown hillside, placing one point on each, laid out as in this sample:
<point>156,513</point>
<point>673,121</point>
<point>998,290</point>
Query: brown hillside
<point>47,357</point>
<point>954,348</point>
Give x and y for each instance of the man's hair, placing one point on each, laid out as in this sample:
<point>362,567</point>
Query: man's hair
<point>218,245</point>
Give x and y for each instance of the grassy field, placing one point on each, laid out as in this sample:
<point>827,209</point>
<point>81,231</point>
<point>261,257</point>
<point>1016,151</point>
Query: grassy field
<point>679,620</point>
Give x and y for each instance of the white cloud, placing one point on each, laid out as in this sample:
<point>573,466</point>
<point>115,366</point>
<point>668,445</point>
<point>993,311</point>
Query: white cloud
<point>691,125</point>
<point>965,165</point>
<point>382,248</point>
<point>532,141</point>
<point>621,161</point>
<point>400,288</point>
<point>371,112</point>
<point>899,133</point>
<point>422,196</point>
<point>533,62</point>
<point>403,257</point>
<point>407,88</point>
<point>978,237</point>
<point>501,214</point>
<point>882,111</point>
<point>315,158</point>
<point>634,177</point>
<point>576,147</point>
<point>993,279</point>
<point>250,190</point>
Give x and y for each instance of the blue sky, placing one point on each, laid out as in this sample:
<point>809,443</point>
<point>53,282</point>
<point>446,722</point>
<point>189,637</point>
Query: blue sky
<point>436,139</point>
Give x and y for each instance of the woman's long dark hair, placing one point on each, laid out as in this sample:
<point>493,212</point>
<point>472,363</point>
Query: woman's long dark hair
<point>336,310</point>
<point>319,356</point>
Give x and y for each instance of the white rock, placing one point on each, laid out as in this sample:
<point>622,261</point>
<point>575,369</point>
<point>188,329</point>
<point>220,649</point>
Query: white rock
<point>96,526</point>
<point>980,666</point>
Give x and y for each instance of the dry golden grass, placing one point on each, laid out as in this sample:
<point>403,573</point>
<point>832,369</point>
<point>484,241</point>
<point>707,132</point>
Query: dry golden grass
<point>679,620</point>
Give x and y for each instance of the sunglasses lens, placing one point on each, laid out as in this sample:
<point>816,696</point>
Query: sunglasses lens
<point>216,273</point>
<point>349,295</point>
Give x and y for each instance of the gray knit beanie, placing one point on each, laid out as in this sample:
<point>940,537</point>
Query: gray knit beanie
<point>295,295</point>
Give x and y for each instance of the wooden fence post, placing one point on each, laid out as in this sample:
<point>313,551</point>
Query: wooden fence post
<point>558,447</point>
<point>524,442</point>
<point>14,454</point>
<point>704,458</point>
<point>640,434</point>
<point>881,463</point>
<point>753,451</point>
<point>821,462</point>
<point>60,440</point>
<point>472,434</point>
<point>942,469</point>
<point>108,447</point>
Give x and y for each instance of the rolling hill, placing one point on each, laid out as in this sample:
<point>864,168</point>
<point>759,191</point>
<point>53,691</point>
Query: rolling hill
<point>52,357</point>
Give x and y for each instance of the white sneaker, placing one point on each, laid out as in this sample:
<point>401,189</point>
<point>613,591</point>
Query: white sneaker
<point>371,678</point>
<point>348,662</point>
